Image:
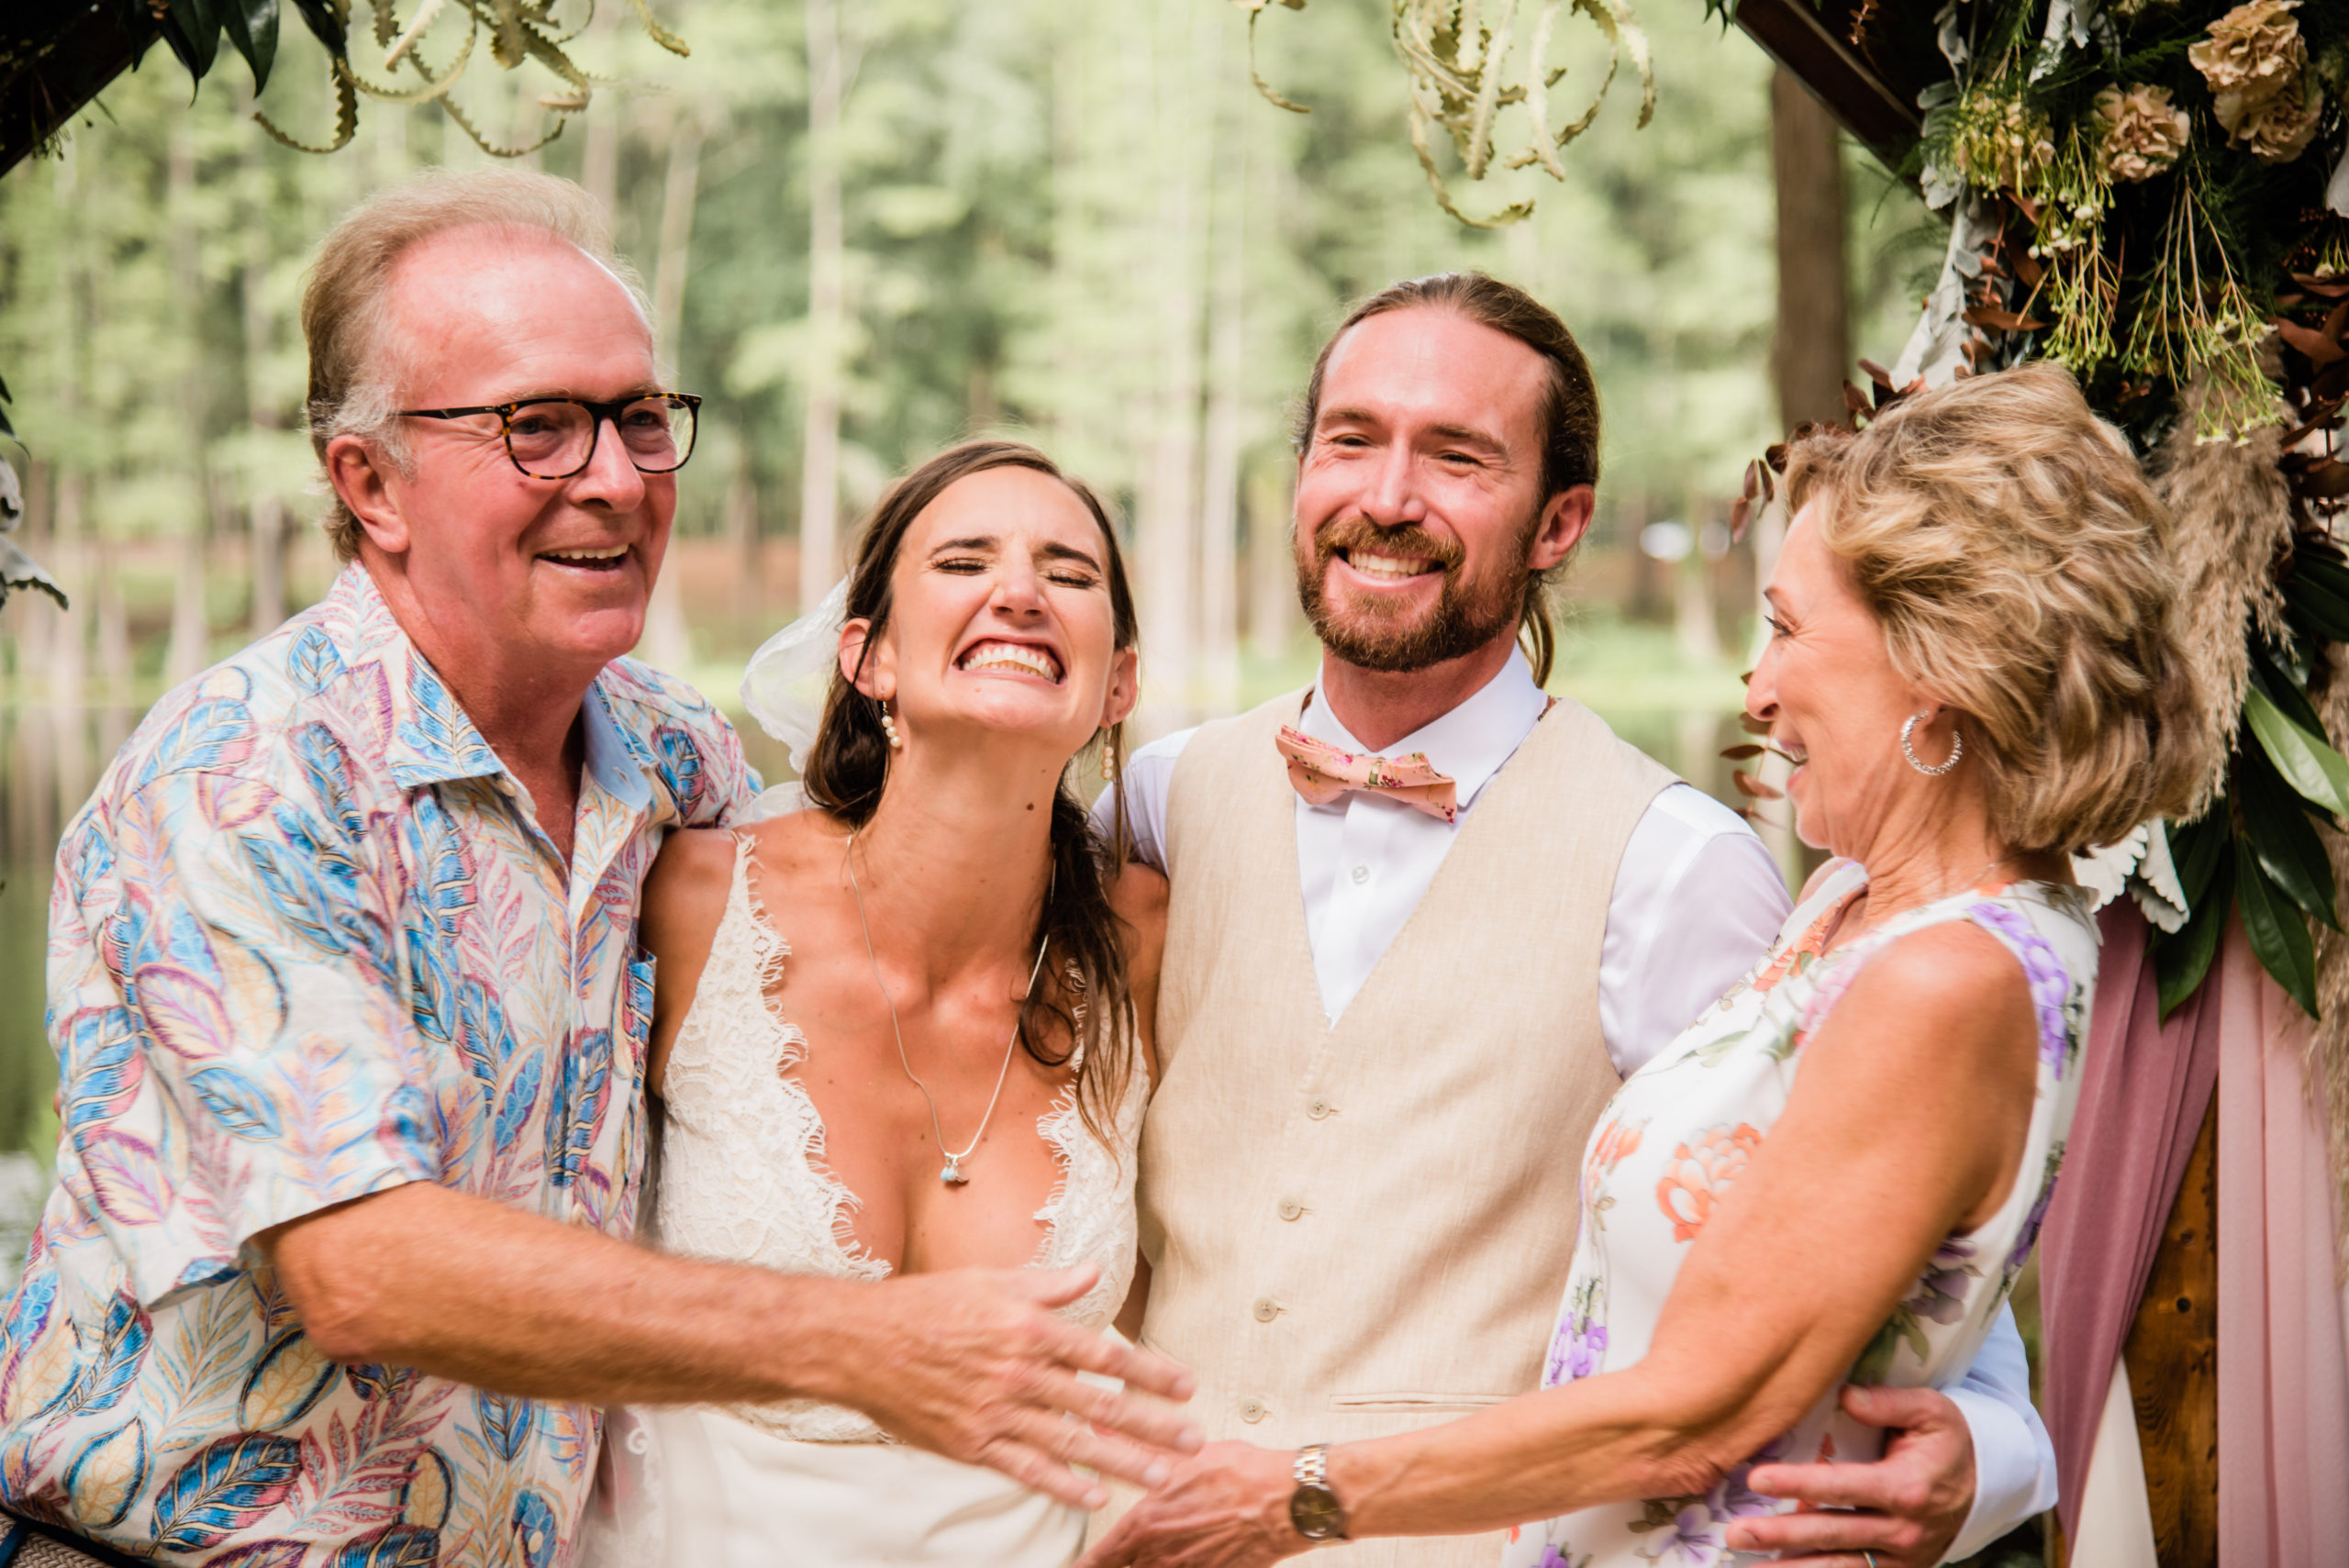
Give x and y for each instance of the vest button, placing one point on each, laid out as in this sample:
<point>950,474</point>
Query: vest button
<point>1291,1208</point>
<point>1316,1107</point>
<point>1266,1309</point>
<point>1254,1410</point>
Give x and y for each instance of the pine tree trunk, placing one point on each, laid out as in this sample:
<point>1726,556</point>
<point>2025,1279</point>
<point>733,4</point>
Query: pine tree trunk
<point>827,312</point>
<point>1220,479</point>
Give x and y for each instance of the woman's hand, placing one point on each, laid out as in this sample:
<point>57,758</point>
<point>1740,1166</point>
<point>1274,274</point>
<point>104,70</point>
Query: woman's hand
<point>1226,1509</point>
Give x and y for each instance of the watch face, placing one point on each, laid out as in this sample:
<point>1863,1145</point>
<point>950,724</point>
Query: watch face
<point>1314,1511</point>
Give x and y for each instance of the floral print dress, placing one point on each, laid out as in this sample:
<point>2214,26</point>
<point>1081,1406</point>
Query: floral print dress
<point>1680,1132</point>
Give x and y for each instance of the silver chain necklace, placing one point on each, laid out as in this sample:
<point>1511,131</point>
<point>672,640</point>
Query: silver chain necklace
<point>953,1174</point>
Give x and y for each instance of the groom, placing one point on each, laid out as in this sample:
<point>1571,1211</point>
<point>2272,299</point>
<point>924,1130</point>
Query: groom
<point>1384,1042</point>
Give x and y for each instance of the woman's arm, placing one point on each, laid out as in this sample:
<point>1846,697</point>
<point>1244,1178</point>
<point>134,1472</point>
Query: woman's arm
<point>1139,895</point>
<point>1907,1123</point>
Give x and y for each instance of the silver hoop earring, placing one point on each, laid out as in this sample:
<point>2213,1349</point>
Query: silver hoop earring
<point>1956,748</point>
<point>889,729</point>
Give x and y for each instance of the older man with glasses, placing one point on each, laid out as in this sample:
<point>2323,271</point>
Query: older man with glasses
<point>351,1016</point>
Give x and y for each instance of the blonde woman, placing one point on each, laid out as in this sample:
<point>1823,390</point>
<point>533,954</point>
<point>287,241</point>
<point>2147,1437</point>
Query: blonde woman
<point>1832,1177</point>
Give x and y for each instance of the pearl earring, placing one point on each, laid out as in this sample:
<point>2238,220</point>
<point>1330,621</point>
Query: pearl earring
<point>889,729</point>
<point>1108,755</point>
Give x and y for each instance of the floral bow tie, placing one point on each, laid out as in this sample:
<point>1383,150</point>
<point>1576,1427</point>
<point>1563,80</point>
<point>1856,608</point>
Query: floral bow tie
<point>1321,772</point>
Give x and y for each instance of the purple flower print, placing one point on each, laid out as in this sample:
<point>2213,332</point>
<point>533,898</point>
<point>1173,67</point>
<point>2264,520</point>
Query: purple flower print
<point>2028,1235</point>
<point>1941,1292</point>
<point>1576,1352</point>
<point>2050,987</point>
<point>1693,1538</point>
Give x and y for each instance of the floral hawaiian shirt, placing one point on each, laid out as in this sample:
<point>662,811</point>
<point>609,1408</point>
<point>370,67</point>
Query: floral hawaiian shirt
<point>308,943</point>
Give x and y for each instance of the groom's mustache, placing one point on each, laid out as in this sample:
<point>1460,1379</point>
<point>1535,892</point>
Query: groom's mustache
<point>1358,532</point>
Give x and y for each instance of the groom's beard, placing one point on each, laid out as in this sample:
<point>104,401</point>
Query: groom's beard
<point>1378,634</point>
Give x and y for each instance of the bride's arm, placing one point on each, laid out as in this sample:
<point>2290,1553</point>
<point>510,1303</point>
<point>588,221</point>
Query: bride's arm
<point>684,898</point>
<point>1907,1123</point>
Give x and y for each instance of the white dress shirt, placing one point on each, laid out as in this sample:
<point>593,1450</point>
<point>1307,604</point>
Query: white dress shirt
<point>1696,900</point>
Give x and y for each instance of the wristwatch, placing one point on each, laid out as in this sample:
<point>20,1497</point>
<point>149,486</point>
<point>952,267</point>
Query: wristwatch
<point>1313,1509</point>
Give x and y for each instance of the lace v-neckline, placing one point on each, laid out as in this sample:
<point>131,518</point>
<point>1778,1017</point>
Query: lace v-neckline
<point>1056,1128</point>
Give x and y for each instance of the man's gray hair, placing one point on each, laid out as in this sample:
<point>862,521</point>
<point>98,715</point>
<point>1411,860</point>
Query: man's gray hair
<point>357,373</point>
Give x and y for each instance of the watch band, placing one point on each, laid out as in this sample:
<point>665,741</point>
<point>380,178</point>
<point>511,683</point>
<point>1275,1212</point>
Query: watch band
<point>1313,1508</point>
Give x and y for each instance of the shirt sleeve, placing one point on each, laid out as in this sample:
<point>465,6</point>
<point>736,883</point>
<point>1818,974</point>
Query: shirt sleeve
<point>1697,900</point>
<point>2014,1461</point>
<point>1145,781</point>
<point>233,1048</point>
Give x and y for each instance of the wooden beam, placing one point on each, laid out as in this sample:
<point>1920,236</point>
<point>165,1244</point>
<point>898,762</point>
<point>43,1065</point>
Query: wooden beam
<point>1870,85</point>
<point>54,59</point>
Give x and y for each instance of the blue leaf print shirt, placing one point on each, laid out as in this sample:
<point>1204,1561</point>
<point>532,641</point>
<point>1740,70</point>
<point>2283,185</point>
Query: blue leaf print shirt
<point>307,943</point>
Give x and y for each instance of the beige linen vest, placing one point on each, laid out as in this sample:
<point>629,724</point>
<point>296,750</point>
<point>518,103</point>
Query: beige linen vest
<point>1363,1229</point>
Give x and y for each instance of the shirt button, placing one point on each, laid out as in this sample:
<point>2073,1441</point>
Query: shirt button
<point>1316,1107</point>
<point>1266,1309</point>
<point>1291,1208</point>
<point>1254,1410</point>
<point>1362,874</point>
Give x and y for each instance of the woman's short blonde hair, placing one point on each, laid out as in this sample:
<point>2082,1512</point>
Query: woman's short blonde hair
<point>356,374</point>
<point>2019,563</point>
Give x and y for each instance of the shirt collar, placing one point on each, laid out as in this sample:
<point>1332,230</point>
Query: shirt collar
<point>433,739</point>
<point>1468,744</point>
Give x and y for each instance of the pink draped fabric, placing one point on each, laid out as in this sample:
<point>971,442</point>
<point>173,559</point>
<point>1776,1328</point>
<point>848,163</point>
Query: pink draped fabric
<point>2283,1360</point>
<point>2144,1089</point>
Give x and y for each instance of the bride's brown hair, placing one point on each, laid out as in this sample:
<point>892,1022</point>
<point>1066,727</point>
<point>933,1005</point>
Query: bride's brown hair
<point>1087,1016</point>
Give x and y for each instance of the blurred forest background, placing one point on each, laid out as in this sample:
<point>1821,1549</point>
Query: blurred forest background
<point>872,229</point>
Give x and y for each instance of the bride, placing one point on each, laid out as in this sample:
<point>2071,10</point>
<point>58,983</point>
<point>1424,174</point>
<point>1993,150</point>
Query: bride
<point>906,1028</point>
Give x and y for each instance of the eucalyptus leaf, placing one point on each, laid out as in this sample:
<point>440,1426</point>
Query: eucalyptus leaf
<point>2182,957</point>
<point>2307,763</point>
<point>2279,937</point>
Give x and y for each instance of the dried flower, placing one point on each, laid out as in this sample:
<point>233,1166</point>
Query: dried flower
<point>2002,144</point>
<point>2256,65</point>
<point>2143,135</point>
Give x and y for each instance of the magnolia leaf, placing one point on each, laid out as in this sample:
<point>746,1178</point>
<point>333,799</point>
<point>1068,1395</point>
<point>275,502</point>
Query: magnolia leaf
<point>252,26</point>
<point>2282,840</point>
<point>2311,766</point>
<point>2183,958</point>
<point>2279,937</point>
<point>1744,753</point>
<point>2196,851</point>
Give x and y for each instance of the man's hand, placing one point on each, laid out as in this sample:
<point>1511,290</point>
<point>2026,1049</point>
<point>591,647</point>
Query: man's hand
<point>971,1364</point>
<point>1911,1504</point>
<point>1227,1508</point>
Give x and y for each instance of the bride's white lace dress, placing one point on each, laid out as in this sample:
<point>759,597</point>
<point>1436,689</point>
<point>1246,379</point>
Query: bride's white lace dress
<point>742,1180</point>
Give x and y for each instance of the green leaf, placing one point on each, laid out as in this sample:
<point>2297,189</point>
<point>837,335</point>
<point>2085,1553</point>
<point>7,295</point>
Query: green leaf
<point>2306,762</point>
<point>252,26</point>
<point>2181,958</point>
<point>2318,589</point>
<point>2281,687</point>
<point>2279,936</point>
<point>194,22</point>
<point>325,24</point>
<point>2283,841</point>
<point>2198,847</point>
